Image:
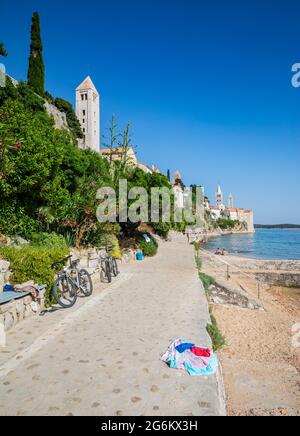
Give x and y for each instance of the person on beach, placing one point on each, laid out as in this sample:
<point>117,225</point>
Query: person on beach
<point>218,252</point>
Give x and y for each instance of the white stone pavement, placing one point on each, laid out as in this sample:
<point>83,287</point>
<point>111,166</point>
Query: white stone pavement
<point>102,357</point>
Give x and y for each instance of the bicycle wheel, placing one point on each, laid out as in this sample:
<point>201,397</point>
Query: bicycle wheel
<point>86,284</point>
<point>115,268</point>
<point>105,272</point>
<point>108,271</point>
<point>64,292</point>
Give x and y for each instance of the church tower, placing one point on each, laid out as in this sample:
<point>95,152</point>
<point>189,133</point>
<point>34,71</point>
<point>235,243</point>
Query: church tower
<point>88,113</point>
<point>230,201</point>
<point>219,198</point>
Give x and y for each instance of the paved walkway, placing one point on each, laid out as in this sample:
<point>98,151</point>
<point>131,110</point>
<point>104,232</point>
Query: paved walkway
<point>103,356</point>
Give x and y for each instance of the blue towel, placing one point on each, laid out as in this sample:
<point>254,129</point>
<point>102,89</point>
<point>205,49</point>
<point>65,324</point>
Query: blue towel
<point>184,347</point>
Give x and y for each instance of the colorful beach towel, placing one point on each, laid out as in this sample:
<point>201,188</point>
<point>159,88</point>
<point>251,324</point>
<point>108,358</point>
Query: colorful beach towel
<point>188,361</point>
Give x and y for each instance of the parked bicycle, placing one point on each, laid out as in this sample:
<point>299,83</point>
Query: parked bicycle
<point>107,264</point>
<point>70,283</point>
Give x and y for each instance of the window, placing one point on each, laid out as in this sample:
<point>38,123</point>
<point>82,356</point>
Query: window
<point>83,130</point>
<point>83,121</point>
<point>83,113</point>
<point>95,133</point>
<point>84,97</point>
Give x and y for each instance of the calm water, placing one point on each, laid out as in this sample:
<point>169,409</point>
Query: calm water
<point>264,244</point>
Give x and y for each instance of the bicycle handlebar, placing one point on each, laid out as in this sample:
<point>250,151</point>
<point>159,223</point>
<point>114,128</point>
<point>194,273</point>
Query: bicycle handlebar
<point>108,248</point>
<point>61,261</point>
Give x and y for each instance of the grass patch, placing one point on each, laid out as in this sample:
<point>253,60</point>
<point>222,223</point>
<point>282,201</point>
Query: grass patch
<point>214,332</point>
<point>206,280</point>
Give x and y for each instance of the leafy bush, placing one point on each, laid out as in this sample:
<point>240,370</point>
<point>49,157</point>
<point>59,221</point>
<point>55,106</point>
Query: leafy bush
<point>206,280</point>
<point>72,120</point>
<point>48,240</point>
<point>112,241</point>
<point>162,229</point>
<point>217,338</point>
<point>34,263</point>
<point>226,224</point>
<point>148,248</point>
<point>14,221</point>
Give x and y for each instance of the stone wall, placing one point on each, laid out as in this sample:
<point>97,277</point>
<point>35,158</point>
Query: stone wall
<point>4,271</point>
<point>264,265</point>
<point>16,311</point>
<point>285,279</point>
<point>221,293</point>
<point>60,118</point>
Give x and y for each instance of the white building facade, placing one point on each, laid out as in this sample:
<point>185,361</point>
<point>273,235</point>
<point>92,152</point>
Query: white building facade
<point>88,114</point>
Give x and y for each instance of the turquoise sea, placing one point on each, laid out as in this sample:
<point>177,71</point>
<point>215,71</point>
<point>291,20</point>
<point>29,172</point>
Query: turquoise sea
<point>264,244</point>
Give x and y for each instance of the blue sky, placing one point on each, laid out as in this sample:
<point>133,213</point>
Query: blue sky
<point>206,85</point>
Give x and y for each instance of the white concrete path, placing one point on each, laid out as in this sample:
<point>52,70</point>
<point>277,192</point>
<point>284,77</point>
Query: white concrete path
<point>103,356</point>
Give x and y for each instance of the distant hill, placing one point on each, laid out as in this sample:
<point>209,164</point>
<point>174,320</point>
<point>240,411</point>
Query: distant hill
<point>277,226</point>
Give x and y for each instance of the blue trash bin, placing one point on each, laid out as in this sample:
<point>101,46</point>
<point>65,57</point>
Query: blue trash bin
<point>140,256</point>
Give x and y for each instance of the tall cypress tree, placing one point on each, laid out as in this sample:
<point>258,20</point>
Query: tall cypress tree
<point>36,68</point>
<point>2,50</point>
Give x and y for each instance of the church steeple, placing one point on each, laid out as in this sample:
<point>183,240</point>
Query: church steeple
<point>219,198</point>
<point>88,113</point>
<point>230,201</point>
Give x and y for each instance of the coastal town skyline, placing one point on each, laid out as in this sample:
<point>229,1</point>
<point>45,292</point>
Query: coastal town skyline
<point>242,141</point>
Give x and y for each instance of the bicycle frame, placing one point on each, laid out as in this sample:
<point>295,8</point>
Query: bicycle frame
<point>67,274</point>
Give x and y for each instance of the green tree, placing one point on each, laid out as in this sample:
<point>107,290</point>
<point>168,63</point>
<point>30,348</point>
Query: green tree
<point>36,68</point>
<point>72,120</point>
<point>3,52</point>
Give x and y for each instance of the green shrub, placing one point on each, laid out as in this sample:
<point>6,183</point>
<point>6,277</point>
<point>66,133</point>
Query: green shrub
<point>148,248</point>
<point>48,240</point>
<point>206,280</point>
<point>198,263</point>
<point>34,263</point>
<point>14,221</point>
<point>162,229</point>
<point>217,338</point>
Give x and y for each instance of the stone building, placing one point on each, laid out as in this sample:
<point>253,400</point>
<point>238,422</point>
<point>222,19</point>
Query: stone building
<point>117,154</point>
<point>88,114</point>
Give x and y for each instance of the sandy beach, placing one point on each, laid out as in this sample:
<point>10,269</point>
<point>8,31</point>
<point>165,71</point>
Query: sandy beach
<point>261,366</point>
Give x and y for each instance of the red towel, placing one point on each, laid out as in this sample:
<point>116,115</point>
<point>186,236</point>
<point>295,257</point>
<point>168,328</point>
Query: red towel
<point>201,352</point>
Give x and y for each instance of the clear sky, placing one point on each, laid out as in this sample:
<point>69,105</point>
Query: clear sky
<point>206,85</point>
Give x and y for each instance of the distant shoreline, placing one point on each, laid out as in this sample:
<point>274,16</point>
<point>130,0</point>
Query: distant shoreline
<point>277,226</point>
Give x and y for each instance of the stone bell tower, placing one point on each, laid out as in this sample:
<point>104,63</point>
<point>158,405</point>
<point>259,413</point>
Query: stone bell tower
<point>88,114</point>
<point>219,198</point>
